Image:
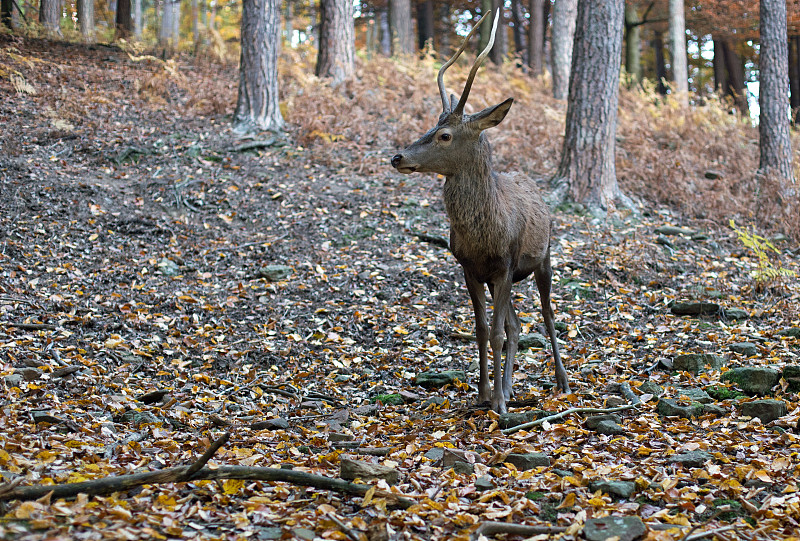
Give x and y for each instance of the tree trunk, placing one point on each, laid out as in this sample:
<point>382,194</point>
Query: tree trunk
<point>500,48</point>
<point>6,8</point>
<point>288,21</point>
<point>386,32</point>
<point>257,107</point>
<point>735,68</point>
<point>176,23</point>
<point>633,43</point>
<point>336,50</point>
<point>677,47</point>
<point>124,21</point>
<point>444,36</point>
<point>720,73</point>
<point>486,29</point>
<point>425,24</point>
<point>661,65</point>
<point>587,172</point>
<point>794,78</point>
<point>519,33</point>
<point>400,23</point>
<point>165,31</point>
<point>773,126</point>
<point>536,37</point>
<point>86,19</point>
<point>50,15</point>
<point>564,13</point>
<point>137,19</point>
<point>196,25</point>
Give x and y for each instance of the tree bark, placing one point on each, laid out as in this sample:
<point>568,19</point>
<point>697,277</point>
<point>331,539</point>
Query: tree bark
<point>773,126</point>
<point>124,21</point>
<point>336,51</point>
<point>519,34</point>
<point>794,77</point>
<point>137,19</point>
<point>661,66</point>
<point>735,68</point>
<point>677,46</point>
<point>176,23</point>
<point>587,172</point>
<point>444,36</point>
<point>564,13</point>
<point>288,21</point>
<point>633,43</point>
<point>425,24</point>
<point>500,48</point>
<point>400,23</point>
<point>86,19</point>
<point>386,32</point>
<point>536,37</point>
<point>720,73</point>
<point>165,31</point>
<point>50,15</point>
<point>257,106</point>
<point>486,29</point>
<point>6,8</point>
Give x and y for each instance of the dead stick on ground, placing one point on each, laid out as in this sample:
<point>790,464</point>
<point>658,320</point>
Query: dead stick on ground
<point>211,451</point>
<point>110,485</point>
<point>709,533</point>
<point>563,414</point>
<point>493,528</point>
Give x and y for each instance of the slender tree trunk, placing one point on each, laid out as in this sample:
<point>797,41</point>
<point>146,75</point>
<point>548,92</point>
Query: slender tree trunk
<point>735,68</point>
<point>137,19</point>
<point>794,77</point>
<point>86,19</point>
<point>400,23</point>
<point>486,29</point>
<point>677,46</point>
<point>661,65</point>
<point>336,51</point>
<point>50,15</point>
<point>425,24</point>
<point>720,73</point>
<point>288,21</point>
<point>519,33</point>
<point>536,37</point>
<point>500,49</point>
<point>257,106</point>
<point>773,101</point>
<point>124,21</point>
<point>564,13</point>
<point>386,32</point>
<point>587,172</point>
<point>444,35</point>
<point>165,31</point>
<point>6,8</point>
<point>633,43</point>
<point>195,25</point>
<point>176,23</point>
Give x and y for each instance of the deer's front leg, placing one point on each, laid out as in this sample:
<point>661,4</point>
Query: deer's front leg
<point>501,293</point>
<point>478,296</point>
<point>513,328</point>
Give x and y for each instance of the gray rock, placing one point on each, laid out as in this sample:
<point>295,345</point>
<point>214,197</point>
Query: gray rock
<point>532,340</point>
<point>593,421</point>
<point>304,533</point>
<point>736,313</point>
<point>792,332</point>
<point>609,428</point>
<point>691,459</point>
<point>651,387</point>
<point>278,423</point>
<point>464,468</point>
<point>621,528</point>
<point>139,418</point>
<point>695,308</point>
<point>436,380</point>
<point>512,419</point>
<point>168,267</point>
<point>615,401</point>
<point>339,436</point>
<point>269,533</point>
<point>715,409</point>
<point>673,231</point>
<point>696,363</point>
<point>29,373</point>
<point>766,410</point>
<point>13,380</point>
<point>452,456</point>
<point>438,400</point>
<point>484,482</point>
<point>275,273</point>
<point>792,376</point>
<point>434,454</point>
<point>756,380</point>
<point>748,349</point>
<point>528,461</point>
<point>695,395</point>
<point>669,407</point>
<point>354,469</point>
<point>42,416</point>
<point>623,489</point>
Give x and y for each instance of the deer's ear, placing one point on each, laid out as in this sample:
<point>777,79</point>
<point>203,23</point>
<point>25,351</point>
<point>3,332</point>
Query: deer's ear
<point>491,116</point>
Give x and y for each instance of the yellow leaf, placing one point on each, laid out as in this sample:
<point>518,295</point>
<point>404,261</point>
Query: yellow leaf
<point>764,476</point>
<point>569,501</point>
<point>368,496</point>
<point>597,502</point>
<point>232,486</point>
<point>4,457</point>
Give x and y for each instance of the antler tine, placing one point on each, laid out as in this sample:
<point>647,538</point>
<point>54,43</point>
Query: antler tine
<point>440,76</point>
<point>478,61</point>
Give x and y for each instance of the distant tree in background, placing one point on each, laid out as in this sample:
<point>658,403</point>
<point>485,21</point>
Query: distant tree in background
<point>794,77</point>
<point>6,8</point>
<point>86,19</point>
<point>257,107</point>
<point>124,20</point>
<point>677,47</point>
<point>425,29</point>
<point>773,101</point>
<point>587,172</point>
<point>336,47</point>
<point>400,23</point>
<point>536,37</point>
<point>50,15</point>
<point>633,42</point>
<point>564,14</point>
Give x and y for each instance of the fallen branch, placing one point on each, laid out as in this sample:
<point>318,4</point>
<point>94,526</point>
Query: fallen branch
<point>210,452</point>
<point>709,533</point>
<point>251,145</point>
<point>31,326</point>
<point>354,447</point>
<point>489,529</point>
<point>628,393</point>
<point>557,416</point>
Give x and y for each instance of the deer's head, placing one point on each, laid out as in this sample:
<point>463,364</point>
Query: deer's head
<point>453,141</point>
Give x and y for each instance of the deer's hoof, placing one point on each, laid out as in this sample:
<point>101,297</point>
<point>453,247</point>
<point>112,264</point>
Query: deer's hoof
<point>499,405</point>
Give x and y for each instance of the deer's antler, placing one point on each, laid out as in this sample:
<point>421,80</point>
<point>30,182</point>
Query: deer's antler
<point>459,109</point>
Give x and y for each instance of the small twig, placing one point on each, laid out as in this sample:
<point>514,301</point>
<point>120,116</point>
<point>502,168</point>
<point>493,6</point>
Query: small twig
<point>197,466</point>
<point>709,533</point>
<point>628,393</point>
<point>251,145</point>
<point>347,531</point>
<point>489,529</point>
<point>563,414</point>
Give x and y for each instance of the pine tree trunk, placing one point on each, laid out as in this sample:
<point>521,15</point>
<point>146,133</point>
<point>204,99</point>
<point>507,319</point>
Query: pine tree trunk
<point>633,43</point>
<point>176,23</point>
<point>336,49</point>
<point>137,19</point>
<point>124,21</point>
<point>536,37</point>
<point>165,31</point>
<point>677,46</point>
<point>794,78</point>
<point>661,65</point>
<point>587,172</point>
<point>400,23</point>
<point>424,24</point>
<point>773,101</point>
<point>735,68</point>
<point>486,29</point>
<point>386,32</point>
<point>720,73</point>
<point>520,43</point>
<point>564,13</point>
<point>50,15</point>
<point>257,106</point>
<point>444,36</point>
<point>86,19</point>
<point>500,47</point>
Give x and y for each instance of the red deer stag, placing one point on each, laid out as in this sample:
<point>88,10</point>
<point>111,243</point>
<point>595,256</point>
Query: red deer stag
<point>499,225</point>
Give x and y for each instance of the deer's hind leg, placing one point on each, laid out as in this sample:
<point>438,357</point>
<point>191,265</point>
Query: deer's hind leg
<point>544,280</point>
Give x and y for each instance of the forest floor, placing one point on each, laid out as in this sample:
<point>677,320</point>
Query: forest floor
<point>144,249</point>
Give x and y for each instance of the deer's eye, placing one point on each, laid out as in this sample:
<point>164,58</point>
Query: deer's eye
<point>445,137</point>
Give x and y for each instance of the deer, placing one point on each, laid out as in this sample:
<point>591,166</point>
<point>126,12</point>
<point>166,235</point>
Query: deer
<point>500,226</point>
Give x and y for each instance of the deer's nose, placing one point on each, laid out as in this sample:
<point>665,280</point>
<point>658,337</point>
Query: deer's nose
<point>396,160</point>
